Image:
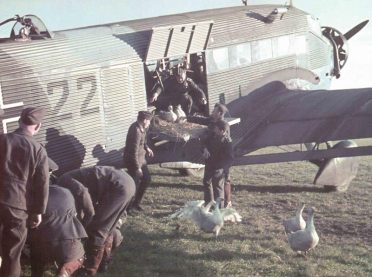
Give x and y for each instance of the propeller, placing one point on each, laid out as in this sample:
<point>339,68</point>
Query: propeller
<point>340,44</point>
<point>355,29</point>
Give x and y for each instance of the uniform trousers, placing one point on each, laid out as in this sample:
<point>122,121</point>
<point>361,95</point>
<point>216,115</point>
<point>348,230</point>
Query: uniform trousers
<point>213,182</point>
<point>14,233</point>
<point>60,251</point>
<point>107,213</point>
<point>142,183</point>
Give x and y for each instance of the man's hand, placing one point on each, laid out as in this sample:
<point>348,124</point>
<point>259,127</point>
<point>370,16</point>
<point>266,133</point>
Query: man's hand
<point>149,152</point>
<point>88,208</point>
<point>139,173</point>
<point>34,220</point>
<point>154,98</point>
<point>206,153</point>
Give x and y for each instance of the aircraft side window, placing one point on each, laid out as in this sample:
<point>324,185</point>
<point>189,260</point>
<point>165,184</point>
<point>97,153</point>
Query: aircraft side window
<point>240,55</point>
<point>300,44</point>
<point>261,50</point>
<point>281,46</point>
<point>217,59</point>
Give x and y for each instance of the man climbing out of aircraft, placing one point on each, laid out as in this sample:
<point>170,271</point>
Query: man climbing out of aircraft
<point>58,237</point>
<point>180,90</point>
<point>183,91</point>
<point>218,160</point>
<point>135,152</point>
<point>217,114</point>
<point>24,185</point>
<point>102,193</point>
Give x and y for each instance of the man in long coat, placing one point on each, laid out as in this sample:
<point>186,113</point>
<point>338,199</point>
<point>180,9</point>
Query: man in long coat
<point>24,185</point>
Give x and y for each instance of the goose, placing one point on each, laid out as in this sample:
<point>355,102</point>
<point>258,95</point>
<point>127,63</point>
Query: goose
<point>295,223</point>
<point>169,115</point>
<point>307,239</point>
<point>208,221</point>
<point>181,116</point>
<point>187,210</point>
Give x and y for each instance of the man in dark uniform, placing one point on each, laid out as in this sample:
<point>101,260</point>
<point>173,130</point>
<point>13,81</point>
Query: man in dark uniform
<point>180,90</point>
<point>219,158</point>
<point>24,185</point>
<point>58,237</point>
<point>217,114</point>
<point>102,193</point>
<point>185,90</point>
<point>135,152</point>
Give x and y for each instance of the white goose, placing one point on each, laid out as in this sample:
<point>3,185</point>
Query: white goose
<point>181,115</point>
<point>208,221</point>
<point>304,240</point>
<point>169,115</point>
<point>295,223</point>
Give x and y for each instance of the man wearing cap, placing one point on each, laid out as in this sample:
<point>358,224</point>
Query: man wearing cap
<point>135,152</point>
<point>102,194</point>
<point>179,90</point>
<point>185,91</point>
<point>24,186</point>
<point>217,162</point>
<point>217,114</point>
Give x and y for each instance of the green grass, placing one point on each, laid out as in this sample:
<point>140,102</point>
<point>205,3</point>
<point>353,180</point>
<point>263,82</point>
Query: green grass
<point>264,195</point>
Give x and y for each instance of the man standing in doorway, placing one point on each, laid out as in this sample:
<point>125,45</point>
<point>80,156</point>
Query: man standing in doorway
<point>24,186</point>
<point>135,152</point>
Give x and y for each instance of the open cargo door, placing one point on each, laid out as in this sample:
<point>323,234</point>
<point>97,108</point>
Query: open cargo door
<point>176,40</point>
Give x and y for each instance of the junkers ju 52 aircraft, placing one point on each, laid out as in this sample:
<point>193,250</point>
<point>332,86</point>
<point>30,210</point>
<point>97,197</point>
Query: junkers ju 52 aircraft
<point>270,64</point>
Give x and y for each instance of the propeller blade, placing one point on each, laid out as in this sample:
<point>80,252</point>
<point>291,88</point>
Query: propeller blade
<point>355,29</point>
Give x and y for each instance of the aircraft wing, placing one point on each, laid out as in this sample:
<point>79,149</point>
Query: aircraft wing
<point>274,115</point>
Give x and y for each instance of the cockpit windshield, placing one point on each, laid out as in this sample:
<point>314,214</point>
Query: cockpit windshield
<point>25,28</point>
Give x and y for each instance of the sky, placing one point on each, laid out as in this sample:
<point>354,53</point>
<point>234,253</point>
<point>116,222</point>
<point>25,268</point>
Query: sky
<point>340,14</point>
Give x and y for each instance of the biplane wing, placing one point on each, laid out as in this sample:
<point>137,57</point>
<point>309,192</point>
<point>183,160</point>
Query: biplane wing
<point>274,115</point>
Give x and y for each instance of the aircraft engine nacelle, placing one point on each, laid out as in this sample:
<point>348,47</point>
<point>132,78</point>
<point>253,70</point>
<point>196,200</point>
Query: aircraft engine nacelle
<point>339,42</point>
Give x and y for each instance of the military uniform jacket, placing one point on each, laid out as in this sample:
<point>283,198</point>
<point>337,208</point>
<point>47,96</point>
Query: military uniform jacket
<point>59,221</point>
<point>209,133</point>
<point>135,147</point>
<point>95,180</point>
<point>221,153</point>
<point>24,171</point>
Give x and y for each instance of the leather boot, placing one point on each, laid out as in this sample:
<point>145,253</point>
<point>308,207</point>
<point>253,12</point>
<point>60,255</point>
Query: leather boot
<point>94,257</point>
<point>69,268</point>
<point>138,197</point>
<point>106,259</point>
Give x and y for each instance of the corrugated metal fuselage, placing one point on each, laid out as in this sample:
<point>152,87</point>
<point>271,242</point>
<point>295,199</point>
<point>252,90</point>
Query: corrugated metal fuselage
<point>92,80</point>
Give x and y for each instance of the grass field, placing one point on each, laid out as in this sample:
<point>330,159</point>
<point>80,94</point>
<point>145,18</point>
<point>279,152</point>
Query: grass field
<point>264,195</point>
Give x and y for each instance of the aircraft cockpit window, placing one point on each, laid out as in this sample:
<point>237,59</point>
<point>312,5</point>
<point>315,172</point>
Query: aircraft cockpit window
<point>29,27</point>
